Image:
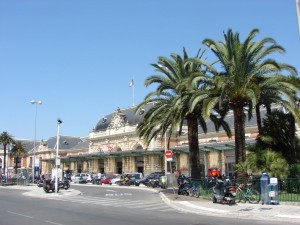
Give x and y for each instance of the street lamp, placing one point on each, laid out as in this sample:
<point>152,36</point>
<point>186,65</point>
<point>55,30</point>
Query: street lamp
<point>34,148</point>
<point>57,162</point>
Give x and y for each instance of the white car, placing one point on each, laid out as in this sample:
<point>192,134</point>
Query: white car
<point>85,176</point>
<point>116,179</point>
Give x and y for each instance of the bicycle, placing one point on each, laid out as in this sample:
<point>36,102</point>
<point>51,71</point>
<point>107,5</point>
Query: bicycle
<point>247,194</point>
<point>194,191</point>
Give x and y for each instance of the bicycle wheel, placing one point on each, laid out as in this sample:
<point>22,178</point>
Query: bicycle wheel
<point>239,196</point>
<point>191,193</point>
<point>254,196</point>
<point>196,193</point>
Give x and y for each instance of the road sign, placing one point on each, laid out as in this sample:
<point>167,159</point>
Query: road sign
<point>168,154</point>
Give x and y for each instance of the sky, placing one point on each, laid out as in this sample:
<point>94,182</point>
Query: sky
<point>79,57</point>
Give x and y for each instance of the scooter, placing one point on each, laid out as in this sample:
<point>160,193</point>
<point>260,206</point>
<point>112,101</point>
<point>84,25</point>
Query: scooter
<point>184,185</point>
<point>223,192</point>
<point>153,183</point>
<point>65,184</point>
<point>49,184</point>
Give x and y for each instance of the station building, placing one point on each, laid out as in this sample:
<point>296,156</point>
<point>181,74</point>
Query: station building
<point>114,147</point>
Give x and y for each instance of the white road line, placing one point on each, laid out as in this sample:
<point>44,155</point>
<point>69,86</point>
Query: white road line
<point>19,214</point>
<point>288,216</point>
<point>167,210</point>
<point>122,204</point>
<point>129,203</point>
<point>158,207</point>
<point>47,221</point>
<point>143,206</point>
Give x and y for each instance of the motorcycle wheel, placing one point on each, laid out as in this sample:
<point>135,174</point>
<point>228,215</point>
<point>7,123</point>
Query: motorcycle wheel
<point>231,202</point>
<point>214,200</point>
<point>46,189</point>
<point>67,186</point>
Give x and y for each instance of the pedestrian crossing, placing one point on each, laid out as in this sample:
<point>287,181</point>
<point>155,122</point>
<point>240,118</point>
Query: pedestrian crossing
<point>114,202</point>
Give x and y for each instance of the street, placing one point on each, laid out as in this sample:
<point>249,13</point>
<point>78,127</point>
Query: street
<point>101,205</point>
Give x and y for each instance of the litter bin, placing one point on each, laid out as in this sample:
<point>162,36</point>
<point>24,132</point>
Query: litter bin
<point>272,190</point>
<point>163,182</point>
<point>264,181</point>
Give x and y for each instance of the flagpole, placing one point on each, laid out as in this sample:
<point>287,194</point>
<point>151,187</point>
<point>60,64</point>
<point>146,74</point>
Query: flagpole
<point>133,95</point>
<point>131,85</point>
<point>298,15</point>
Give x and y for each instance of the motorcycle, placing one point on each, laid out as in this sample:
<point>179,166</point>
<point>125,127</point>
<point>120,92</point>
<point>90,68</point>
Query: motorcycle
<point>224,192</point>
<point>153,183</point>
<point>49,184</point>
<point>40,183</point>
<point>65,184</point>
<point>184,185</point>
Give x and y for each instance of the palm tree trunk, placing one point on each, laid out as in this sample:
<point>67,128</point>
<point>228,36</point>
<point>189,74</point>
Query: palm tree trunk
<point>194,146</point>
<point>4,156</point>
<point>16,164</point>
<point>258,119</point>
<point>239,129</point>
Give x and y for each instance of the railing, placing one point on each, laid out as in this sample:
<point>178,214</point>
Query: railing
<point>288,189</point>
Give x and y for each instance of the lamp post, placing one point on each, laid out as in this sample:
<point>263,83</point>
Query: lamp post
<point>34,143</point>
<point>57,162</point>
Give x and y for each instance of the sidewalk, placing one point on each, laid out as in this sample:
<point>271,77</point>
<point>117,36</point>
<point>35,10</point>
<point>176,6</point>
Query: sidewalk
<point>281,212</point>
<point>35,191</point>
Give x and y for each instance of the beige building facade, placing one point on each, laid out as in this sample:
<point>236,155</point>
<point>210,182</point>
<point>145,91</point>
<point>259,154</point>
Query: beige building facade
<point>113,147</point>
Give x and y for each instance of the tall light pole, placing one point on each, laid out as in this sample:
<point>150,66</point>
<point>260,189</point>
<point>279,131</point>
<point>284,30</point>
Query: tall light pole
<point>57,162</point>
<point>34,143</point>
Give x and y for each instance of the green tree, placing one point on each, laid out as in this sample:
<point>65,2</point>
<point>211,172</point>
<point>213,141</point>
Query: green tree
<point>235,86</point>
<point>282,137</point>
<point>263,160</point>
<point>5,140</point>
<point>278,89</point>
<point>17,151</point>
<point>171,107</point>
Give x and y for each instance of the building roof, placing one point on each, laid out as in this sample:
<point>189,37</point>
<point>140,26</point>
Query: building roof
<point>128,114</point>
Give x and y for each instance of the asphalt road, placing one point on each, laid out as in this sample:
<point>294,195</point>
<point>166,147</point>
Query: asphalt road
<point>101,205</point>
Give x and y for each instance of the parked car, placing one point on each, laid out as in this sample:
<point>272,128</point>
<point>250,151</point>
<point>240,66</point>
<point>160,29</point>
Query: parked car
<point>115,179</point>
<point>96,179</point>
<point>108,178</point>
<point>81,178</point>
<point>145,180</point>
<point>132,178</point>
<point>75,177</point>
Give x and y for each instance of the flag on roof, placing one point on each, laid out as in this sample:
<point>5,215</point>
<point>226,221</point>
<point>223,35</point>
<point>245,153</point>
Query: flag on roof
<point>131,83</point>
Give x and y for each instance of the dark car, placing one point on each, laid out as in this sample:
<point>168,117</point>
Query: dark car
<point>145,180</point>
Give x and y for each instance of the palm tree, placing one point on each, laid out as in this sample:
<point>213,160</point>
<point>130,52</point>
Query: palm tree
<point>264,159</point>
<point>171,105</point>
<point>5,139</point>
<point>278,89</point>
<point>235,87</point>
<point>17,151</point>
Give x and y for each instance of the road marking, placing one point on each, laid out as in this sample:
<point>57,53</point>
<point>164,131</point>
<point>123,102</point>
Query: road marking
<point>288,216</point>
<point>47,221</point>
<point>150,204</point>
<point>119,194</point>
<point>157,207</point>
<point>19,214</point>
